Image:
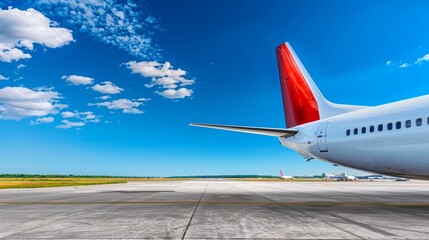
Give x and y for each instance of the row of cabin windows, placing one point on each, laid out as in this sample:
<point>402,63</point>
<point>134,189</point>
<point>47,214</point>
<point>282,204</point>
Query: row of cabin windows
<point>389,126</point>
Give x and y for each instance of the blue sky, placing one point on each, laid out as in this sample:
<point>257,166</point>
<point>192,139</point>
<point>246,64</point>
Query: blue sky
<point>87,88</point>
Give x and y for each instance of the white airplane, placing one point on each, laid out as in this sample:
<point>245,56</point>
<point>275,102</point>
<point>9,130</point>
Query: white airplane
<point>390,139</point>
<point>339,176</point>
<point>349,177</point>
<point>285,177</point>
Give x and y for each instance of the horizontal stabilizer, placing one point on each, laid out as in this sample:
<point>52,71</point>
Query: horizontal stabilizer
<point>275,132</point>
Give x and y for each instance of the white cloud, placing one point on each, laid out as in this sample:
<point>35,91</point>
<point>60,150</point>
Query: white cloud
<point>96,120</point>
<point>126,105</point>
<point>20,102</point>
<point>85,117</point>
<point>69,124</point>
<point>422,59</point>
<point>42,120</point>
<point>122,24</point>
<point>154,69</point>
<point>3,77</point>
<point>21,29</point>
<point>176,94</point>
<point>107,88</point>
<point>18,69</point>
<point>78,80</point>
<point>8,53</point>
<point>164,76</point>
<point>404,65</point>
<point>105,97</point>
<point>88,116</point>
<point>67,114</point>
<point>20,66</point>
<point>388,63</point>
<point>143,99</point>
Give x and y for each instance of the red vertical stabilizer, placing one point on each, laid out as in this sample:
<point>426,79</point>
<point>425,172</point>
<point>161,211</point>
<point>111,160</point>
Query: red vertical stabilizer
<point>300,105</point>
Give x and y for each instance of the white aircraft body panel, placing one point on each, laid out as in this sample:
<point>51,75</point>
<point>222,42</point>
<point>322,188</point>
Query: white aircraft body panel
<point>396,152</point>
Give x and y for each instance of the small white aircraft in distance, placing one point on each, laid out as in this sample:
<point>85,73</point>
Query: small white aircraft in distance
<point>339,176</point>
<point>285,177</point>
<point>349,177</point>
<point>390,139</point>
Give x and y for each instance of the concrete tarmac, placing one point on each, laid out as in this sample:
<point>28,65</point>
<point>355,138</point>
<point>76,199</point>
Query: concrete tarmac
<point>219,209</point>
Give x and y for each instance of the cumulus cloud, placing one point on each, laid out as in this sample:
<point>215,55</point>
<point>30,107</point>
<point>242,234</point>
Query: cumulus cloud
<point>21,29</point>
<point>19,67</point>
<point>68,124</point>
<point>404,65</point>
<point>126,105</point>
<point>154,69</point>
<point>42,120</point>
<point>67,114</point>
<point>164,76</point>
<point>89,116</point>
<point>8,53</point>
<point>122,24</point>
<point>3,77</point>
<point>85,117</point>
<point>422,59</point>
<point>176,94</point>
<point>105,97</point>
<point>77,80</point>
<point>419,61</point>
<point>107,88</point>
<point>20,102</point>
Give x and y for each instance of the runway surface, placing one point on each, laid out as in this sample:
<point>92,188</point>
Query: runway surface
<point>219,209</point>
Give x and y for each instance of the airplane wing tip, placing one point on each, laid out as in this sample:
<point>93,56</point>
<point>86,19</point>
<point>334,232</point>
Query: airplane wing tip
<point>255,130</point>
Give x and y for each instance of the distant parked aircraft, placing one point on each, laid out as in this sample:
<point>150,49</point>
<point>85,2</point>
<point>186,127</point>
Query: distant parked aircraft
<point>285,177</point>
<point>390,139</point>
<point>339,176</point>
<point>349,177</point>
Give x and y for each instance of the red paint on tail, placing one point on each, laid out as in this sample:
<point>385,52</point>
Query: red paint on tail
<point>299,103</point>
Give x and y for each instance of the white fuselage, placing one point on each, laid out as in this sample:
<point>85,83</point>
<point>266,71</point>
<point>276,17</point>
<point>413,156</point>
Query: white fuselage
<point>401,148</point>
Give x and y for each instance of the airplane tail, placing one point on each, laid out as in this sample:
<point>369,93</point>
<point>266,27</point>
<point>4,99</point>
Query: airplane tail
<point>302,100</point>
<point>281,174</point>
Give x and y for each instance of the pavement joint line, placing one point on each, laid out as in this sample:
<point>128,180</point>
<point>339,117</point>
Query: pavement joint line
<point>193,213</point>
<point>222,202</point>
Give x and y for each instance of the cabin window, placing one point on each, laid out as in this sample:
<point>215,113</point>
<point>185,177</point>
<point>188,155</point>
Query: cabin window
<point>389,126</point>
<point>348,132</point>
<point>364,130</point>
<point>380,127</point>
<point>408,123</point>
<point>419,122</point>
<point>371,129</point>
<point>355,131</point>
<point>428,120</point>
<point>398,125</point>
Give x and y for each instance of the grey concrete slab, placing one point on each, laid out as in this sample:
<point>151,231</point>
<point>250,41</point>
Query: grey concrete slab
<point>219,209</point>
